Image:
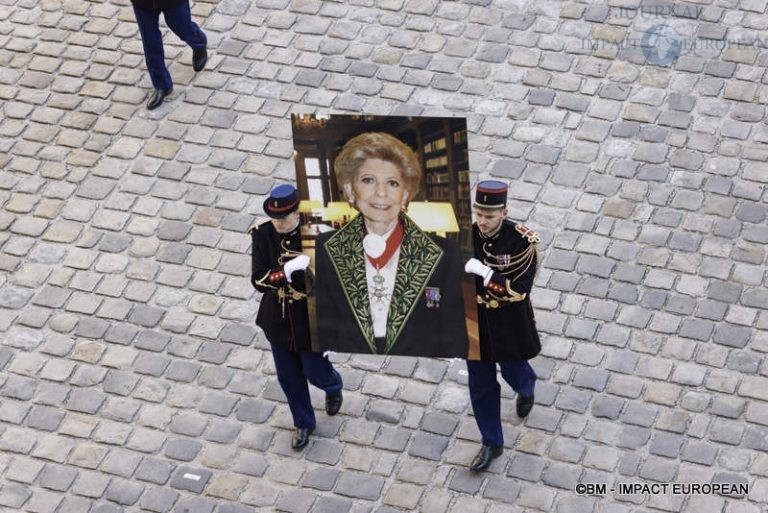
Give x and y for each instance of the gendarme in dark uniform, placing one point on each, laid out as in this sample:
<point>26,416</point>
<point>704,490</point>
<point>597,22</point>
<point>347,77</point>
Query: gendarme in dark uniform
<point>283,311</point>
<point>277,270</point>
<point>505,315</point>
<point>505,262</point>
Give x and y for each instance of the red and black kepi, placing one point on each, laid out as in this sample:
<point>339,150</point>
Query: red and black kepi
<point>282,201</point>
<point>491,194</point>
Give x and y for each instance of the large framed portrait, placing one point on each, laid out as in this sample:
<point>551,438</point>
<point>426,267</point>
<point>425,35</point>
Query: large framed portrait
<point>386,221</point>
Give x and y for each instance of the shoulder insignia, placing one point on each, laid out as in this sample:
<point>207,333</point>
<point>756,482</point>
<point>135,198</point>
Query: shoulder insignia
<point>532,236</point>
<point>258,222</point>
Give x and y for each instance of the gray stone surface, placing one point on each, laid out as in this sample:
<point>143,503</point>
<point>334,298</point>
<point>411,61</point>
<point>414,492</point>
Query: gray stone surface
<point>190,479</point>
<point>361,486</point>
<point>159,500</point>
<point>182,449</point>
<point>57,478</point>
<point>124,492</point>
<point>127,341</point>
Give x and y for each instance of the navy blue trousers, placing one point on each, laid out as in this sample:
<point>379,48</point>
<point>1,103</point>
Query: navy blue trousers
<point>293,372</point>
<point>485,393</point>
<point>179,20</point>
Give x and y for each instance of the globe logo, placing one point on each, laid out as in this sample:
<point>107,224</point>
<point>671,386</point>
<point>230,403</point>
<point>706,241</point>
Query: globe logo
<point>661,44</point>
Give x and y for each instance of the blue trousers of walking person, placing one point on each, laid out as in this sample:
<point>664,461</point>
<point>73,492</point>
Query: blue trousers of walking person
<point>178,17</point>
<point>485,393</point>
<point>293,372</point>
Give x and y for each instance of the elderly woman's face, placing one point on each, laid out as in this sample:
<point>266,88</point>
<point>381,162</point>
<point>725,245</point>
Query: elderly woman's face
<point>378,190</point>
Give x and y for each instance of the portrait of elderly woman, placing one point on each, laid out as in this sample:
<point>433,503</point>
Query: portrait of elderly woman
<point>383,286</point>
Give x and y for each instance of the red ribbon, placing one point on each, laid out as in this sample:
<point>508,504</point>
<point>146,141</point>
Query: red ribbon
<point>393,242</point>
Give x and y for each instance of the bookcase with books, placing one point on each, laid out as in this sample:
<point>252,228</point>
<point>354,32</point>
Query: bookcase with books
<point>446,174</point>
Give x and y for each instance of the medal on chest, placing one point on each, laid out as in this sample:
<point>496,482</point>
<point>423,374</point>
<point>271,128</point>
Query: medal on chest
<point>379,252</point>
<point>433,296</point>
<point>495,261</point>
<point>374,247</point>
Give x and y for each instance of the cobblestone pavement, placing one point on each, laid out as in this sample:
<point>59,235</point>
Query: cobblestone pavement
<point>132,377</point>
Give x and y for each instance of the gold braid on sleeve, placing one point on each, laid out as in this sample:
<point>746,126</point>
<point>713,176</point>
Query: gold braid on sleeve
<point>264,281</point>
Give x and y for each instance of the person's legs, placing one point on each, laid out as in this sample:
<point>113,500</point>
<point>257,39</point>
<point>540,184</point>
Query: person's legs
<point>520,376</point>
<point>152,40</point>
<point>522,379</point>
<point>485,395</point>
<point>320,372</point>
<point>294,384</point>
<point>179,20</point>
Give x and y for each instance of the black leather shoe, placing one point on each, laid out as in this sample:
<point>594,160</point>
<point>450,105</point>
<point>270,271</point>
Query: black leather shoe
<point>199,58</point>
<point>484,458</point>
<point>333,403</point>
<point>524,405</point>
<point>301,437</point>
<point>157,98</point>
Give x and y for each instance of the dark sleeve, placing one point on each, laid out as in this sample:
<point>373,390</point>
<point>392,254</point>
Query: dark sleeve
<point>264,276</point>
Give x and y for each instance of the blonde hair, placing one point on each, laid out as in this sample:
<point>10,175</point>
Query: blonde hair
<point>378,145</point>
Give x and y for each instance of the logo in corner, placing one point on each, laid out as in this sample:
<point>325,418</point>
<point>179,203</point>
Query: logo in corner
<point>661,44</point>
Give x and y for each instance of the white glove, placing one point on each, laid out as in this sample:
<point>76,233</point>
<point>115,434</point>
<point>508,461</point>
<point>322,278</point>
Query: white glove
<point>475,266</point>
<point>298,263</point>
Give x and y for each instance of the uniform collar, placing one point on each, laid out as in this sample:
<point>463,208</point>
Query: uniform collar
<point>495,234</point>
<point>291,232</point>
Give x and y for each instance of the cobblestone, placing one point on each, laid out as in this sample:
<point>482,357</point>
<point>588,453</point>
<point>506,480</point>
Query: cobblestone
<point>154,470</point>
<point>57,478</point>
<point>158,499</point>
<point>182,449</point>
<point>127,343</point>
<point>352,484</point>
<point>44,418</point>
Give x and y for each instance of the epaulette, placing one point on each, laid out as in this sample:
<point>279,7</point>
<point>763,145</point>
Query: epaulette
<point>258,222</point>
<point>532,236</point>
